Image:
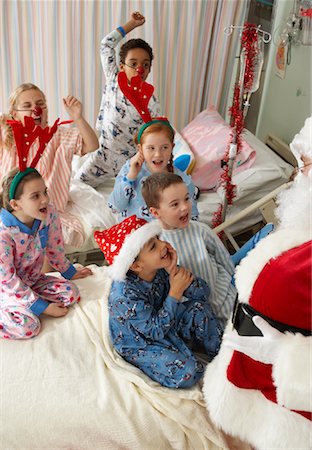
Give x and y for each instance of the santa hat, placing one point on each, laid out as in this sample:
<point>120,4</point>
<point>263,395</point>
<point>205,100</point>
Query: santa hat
<point>302,142</point>
<point>277,302</point>
<point>122,243</point>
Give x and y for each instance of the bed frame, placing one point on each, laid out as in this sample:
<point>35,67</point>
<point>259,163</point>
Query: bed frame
<point>266,206</point>
<point>281,148</point>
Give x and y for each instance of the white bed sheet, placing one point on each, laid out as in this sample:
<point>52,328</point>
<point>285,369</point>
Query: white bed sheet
<point>68,389</point>
<point>268,172</point>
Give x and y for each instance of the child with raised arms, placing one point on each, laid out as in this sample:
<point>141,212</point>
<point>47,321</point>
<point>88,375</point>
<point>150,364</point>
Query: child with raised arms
<point>118,119</point>
<point>156,308</point>
<point>29,230</point>
<point>155,141</point>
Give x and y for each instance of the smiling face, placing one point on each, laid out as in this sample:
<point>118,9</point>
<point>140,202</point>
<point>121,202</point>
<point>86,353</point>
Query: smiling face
<point>31,103</point>
<point>137,62</point>
<point>175,207</point>
<point>154,255</point>
<point>32,203</point>
<point>157,149</point>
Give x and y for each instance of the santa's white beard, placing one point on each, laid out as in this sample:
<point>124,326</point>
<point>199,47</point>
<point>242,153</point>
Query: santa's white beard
<point>295,204</point>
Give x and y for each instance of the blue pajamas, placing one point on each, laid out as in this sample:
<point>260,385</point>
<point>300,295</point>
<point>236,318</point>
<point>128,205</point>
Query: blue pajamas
<point>151,330</point>
<point>126,198</point>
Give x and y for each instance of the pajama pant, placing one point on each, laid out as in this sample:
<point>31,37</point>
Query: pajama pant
<point>19,322</point>
<point>170,361</point>
<point>100,165</point>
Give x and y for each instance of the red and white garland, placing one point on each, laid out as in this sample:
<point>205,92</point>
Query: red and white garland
<point>249,47</point>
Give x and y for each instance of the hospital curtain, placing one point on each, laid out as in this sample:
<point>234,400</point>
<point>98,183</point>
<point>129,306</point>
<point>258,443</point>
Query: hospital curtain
<point>55,45</point>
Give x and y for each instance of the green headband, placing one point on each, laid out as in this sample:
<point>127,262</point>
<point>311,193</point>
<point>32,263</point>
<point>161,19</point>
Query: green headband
<point>147,124</point>
<point>17,179</point>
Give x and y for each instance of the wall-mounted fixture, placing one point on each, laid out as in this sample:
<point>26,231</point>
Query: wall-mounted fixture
<point>298,26</point>
<point>305,13</point>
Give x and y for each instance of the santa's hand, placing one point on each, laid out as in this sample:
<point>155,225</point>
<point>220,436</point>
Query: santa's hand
<point>260,348</point>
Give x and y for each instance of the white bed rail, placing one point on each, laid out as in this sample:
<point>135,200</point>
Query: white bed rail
<point>261,204</point>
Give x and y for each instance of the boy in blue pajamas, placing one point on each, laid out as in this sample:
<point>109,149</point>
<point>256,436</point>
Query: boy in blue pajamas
<point>155,307</point>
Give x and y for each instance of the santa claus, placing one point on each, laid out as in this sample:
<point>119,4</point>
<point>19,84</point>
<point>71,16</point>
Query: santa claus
<point>259,386</point>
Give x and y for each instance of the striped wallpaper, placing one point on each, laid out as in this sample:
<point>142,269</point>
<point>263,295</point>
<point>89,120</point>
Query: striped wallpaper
<point>55,44</point>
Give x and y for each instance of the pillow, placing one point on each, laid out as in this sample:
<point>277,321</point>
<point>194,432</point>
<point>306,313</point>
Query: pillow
<point>183,157</point>
<point>208,136</point>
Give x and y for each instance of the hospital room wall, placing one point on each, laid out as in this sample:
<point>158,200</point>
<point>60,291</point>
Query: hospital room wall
<point>285,103</point>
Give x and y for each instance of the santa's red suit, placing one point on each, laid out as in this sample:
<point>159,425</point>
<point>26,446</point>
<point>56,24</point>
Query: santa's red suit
<point>269,406</point>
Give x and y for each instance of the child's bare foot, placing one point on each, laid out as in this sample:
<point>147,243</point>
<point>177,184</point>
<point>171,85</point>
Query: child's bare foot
<point>55,310</point>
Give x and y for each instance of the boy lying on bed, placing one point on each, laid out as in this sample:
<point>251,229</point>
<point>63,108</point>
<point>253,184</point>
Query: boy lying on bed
<point>155,307</point>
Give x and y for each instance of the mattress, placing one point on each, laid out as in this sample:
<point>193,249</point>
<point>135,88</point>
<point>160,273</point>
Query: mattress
<point>268,172</point>
<point>68,389</point>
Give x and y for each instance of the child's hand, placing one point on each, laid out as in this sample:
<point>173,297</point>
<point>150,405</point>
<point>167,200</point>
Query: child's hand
<point>180,280</point>
<point>137,19</point>
<point>73,107</point>
<point>174,258</point>
<point>136,163</point>
<point>55,310</point>
<point>82,273</point>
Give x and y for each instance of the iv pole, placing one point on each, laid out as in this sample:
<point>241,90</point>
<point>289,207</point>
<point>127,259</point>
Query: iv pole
<point>244,96</point>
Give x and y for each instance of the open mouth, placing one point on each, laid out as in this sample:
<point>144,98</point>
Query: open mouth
<point>158,163</point>
<point>184,219</point>
<point>43,210</point>
<point>37,120</point>
<point>166,254</point>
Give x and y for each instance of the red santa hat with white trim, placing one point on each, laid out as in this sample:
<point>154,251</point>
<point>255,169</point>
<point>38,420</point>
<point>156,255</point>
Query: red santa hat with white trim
<point>122,243</point>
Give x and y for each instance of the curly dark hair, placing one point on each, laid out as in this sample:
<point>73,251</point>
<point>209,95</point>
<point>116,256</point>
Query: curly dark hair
<point>135,43</point>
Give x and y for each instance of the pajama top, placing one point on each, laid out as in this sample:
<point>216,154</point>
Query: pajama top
<point>118,120</point>
<point>22,252</point>
<point>200,250</point>
<point>126,198</point>
<point>142,313</point>
<point>55,167</point>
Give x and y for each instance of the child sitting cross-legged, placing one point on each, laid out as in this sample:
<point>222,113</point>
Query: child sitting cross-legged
<point>30,230</point>
<point>156,308</point>
<point>198,248</point>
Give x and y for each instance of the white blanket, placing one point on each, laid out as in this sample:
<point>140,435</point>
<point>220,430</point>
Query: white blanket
<point>68,389</point>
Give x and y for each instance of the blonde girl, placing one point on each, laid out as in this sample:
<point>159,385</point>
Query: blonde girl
<point>30,230</point>
<point>55,164</point>
<point>155,141</point>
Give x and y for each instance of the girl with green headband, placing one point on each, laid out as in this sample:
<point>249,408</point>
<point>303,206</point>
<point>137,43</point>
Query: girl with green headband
<point>30,230</point>
<point>155,142</point>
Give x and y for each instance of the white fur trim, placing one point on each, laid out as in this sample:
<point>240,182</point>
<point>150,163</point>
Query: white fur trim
<point>132,246</point>
<point>270,247</point>
<point>292,372</point>
<point>246,413</point>
<point>301,144</point>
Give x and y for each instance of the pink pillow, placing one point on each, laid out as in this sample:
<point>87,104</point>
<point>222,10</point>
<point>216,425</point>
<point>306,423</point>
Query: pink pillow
<point>208,136</point>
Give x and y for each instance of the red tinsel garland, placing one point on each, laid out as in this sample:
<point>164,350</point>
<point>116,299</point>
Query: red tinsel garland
<point>249,51</point>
